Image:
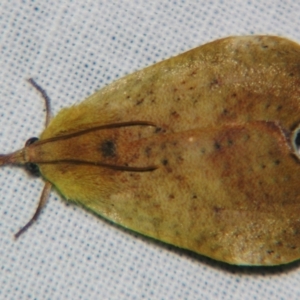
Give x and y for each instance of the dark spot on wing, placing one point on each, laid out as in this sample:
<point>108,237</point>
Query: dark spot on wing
<point>108,148</point>
<point>148,151</point>
<point>165,162</point>
<point>217,146</point>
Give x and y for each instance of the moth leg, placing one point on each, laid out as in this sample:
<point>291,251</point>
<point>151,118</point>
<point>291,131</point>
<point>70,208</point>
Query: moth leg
<point>43,199</point>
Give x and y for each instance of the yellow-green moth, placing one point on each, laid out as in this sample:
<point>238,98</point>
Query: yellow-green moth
<point>200,151</point>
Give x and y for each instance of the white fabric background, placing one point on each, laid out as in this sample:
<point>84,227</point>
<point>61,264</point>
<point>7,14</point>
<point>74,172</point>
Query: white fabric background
<point>73,48</point>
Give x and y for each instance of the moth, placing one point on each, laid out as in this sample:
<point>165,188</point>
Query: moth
<point>200,151</point>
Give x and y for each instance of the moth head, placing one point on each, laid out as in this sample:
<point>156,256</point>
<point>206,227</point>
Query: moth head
<point>30,167</point>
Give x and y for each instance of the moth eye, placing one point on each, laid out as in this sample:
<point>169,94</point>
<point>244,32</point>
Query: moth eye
<point>31,141</point>
<point>296,140</point>
<point>33,169</point>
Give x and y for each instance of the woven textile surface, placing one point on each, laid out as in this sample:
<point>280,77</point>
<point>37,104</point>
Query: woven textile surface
<point>73,48</point>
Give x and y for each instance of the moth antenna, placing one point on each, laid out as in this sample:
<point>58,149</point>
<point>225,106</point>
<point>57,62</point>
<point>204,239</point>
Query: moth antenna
<point>43,199</point>
<point>46,98</point>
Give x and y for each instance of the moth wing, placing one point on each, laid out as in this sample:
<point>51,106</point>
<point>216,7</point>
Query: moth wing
<point>236,79</point>
<point>233,199</point>
<point>229,192</point>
